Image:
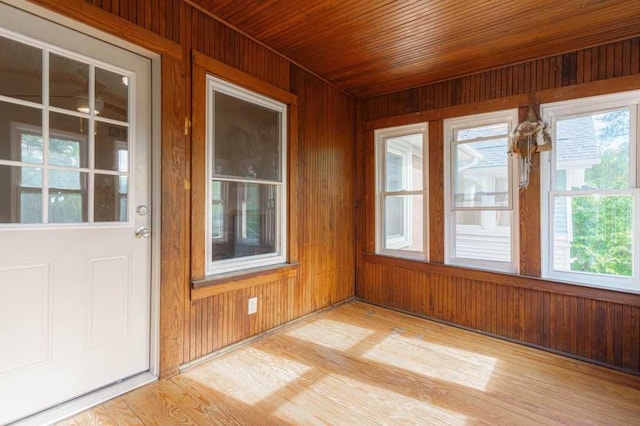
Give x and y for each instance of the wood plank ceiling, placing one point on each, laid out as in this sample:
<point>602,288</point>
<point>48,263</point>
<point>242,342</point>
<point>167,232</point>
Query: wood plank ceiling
<point>370,47</point>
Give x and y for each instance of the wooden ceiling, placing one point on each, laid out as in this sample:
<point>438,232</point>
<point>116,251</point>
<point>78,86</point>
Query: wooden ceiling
<point>369,47</point>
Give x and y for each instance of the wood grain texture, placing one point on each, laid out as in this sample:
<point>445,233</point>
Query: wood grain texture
<point>157,16</point>
<point>373,47</point>
<point>361,364</point>
<point>321,157</point>
<point>222,44</point>
<point>590,328</point>
<point>174,273</point>
<point>571,319</point>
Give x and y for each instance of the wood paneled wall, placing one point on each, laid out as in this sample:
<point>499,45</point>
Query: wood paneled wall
<point>598,325</point>
<point>325,198</point>
<point>326,132</point>
<point>158,16</point>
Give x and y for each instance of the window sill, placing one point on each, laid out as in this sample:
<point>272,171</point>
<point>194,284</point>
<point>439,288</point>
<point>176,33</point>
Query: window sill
<point>238,280</point>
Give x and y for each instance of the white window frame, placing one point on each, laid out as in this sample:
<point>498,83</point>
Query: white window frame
<point>280,255</point>
<point>380,138</point>
<point>451,126</point>
<point>550,113</point>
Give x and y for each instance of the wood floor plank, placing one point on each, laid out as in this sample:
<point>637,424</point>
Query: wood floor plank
<point>362,364</point>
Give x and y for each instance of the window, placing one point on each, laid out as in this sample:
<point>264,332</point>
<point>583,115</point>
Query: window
<point>401,182</point>
<point>64,137</point>
<point>246,200</point>
<point>590,199</point>
<point>480,196</point>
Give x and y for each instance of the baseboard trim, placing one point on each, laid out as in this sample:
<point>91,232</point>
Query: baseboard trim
<point>507,339</point>
<point>84,402</point>
<point>188,365</point>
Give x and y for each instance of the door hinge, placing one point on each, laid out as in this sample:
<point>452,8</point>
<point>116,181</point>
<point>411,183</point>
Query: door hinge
<point>187,126</point>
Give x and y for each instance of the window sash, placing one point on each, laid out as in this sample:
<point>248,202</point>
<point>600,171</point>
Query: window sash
<point>452,127</point>
<point>382,139</point>
<point>595,279</point>
<point>553,112</point>
<point>279,255</point>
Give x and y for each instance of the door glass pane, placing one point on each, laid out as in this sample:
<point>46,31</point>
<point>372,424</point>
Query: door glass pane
<point>592,151</point>
<point>21,71</point>
<point>593,234</point>
<point>68,84</point>
<point>68,140</point>
<point>403,222</point>
<point>15,120</point>
<point>248,223</point>
<point>112,147</point>
<point>110,201</point>
<point>67,196</point>
<point>112,93</point>
<point>480,173</point>
<point>21,194</point>
<point>247,139</point>
<point>484,235</point>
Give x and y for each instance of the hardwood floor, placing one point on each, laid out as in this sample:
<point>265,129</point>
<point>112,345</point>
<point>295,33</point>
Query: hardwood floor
<point>360,364</point>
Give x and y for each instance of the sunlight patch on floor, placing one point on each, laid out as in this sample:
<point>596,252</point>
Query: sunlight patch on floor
<point>331,334</point>
<point>436,361</point>
<point>337,399</point>
<point>249,374</point>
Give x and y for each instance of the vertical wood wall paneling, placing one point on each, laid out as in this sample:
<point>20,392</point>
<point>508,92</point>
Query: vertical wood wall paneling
<point>322,196</point>
<point>592,326</point>
<point>158,16</point>
<point>326,177</point>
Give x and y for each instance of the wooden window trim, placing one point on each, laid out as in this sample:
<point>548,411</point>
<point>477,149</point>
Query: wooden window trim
<point>203,66</point>
<point>233,281</point>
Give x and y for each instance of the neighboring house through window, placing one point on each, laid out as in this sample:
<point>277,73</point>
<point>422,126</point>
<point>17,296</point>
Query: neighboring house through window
<point>401,181</point>
<point>480,192</point>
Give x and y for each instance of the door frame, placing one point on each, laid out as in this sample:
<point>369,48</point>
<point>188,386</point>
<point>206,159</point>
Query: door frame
<point>94,398</point>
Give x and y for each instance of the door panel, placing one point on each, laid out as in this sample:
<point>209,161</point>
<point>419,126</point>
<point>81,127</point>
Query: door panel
<point>75,139</point>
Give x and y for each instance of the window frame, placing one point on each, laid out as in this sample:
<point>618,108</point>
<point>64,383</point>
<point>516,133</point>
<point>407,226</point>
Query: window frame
<point>380,138</point>
<point>450,127</point>
<point>550,113</point>
<point>215,84</point>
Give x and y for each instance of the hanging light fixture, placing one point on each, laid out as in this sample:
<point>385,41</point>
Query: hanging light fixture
<point>82,104</point>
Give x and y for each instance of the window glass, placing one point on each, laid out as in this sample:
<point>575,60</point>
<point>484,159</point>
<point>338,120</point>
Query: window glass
<point>14,121</point>
<point>112,95</point>
<point>590,199</point>
<point>21,71</point>
<point>68,84</point>
<point>403,227</point>
<point>246,203</point>
<point>592,151</point>
<point>245,224</point>
<point>479,167</point>
<point>480,192</point>
<point>247,139</point>
<point>400,213</point>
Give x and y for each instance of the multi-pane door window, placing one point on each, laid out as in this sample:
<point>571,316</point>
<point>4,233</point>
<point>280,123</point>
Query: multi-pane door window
<point>480,197</point>
<point>246,201</point>
<point>64,136</point>
<point>401,183</point>
<point>590,192</point>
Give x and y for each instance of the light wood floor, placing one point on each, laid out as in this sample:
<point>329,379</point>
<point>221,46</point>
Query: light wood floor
<point>359,364</point>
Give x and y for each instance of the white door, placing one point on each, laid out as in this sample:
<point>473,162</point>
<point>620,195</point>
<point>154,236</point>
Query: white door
<point>74,189</point>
